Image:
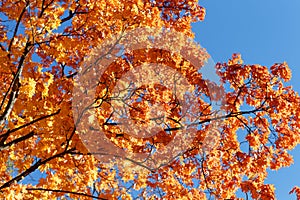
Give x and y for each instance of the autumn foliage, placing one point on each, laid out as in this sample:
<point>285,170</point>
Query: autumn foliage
<point>43,46</point>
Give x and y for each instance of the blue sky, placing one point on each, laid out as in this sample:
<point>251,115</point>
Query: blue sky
<point>264,32</point>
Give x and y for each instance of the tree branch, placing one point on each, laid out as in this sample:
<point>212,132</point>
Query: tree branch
<point>5,135</point>
<point>64,191</point>
<point>20,139</point>
<point>14,86</point>
<point>17,26</point>
<point>31,169</point>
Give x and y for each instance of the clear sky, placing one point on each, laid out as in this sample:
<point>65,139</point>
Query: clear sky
<point>264,32</point>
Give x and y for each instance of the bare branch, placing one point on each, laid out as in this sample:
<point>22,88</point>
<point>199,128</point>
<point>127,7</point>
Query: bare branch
<point>65,191</point>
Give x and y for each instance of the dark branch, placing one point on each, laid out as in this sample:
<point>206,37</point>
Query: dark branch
<point>30,123</point>
<point>20,139</point>
<point>31,169</point>
<point>64,191</point>
<point>14,86</point>
<point>17,26</point>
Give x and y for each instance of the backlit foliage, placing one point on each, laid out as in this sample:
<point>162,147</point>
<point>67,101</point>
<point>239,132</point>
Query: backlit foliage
<point>42,45</point>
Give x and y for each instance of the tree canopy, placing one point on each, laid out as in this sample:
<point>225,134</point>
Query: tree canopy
<point>107,100</point>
